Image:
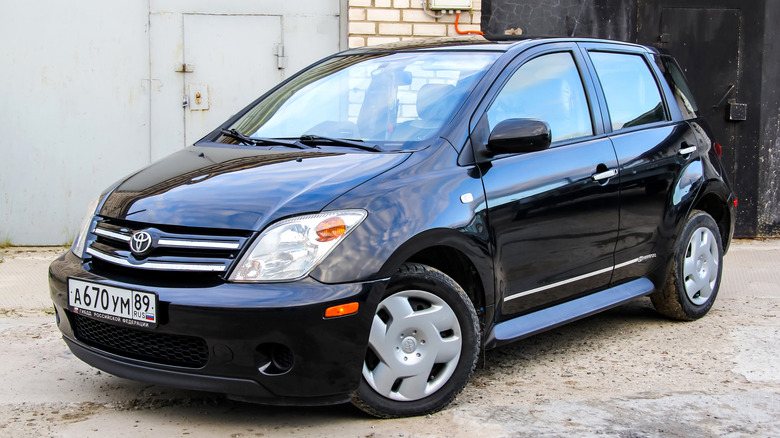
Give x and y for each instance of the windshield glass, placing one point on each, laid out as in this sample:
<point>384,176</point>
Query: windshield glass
<point>377,98</point>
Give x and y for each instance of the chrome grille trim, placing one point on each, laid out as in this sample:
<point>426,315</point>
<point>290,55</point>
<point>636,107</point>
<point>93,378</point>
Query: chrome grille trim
<point>175,249</point>
<point>156,266</point>
<point>167,242</point>
<point>203,244</point>
<point>112,235</point>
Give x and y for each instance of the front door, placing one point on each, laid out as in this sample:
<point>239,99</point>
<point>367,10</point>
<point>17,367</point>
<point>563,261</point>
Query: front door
<point>554,213</point>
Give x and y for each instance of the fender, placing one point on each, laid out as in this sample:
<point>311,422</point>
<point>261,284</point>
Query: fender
<point>465,243</point>
<point>427,202</point>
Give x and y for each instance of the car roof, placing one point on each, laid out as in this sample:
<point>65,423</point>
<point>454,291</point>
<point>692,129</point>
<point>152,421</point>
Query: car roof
<point>479,43</point>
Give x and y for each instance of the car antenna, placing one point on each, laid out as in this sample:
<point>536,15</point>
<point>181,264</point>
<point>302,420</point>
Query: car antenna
<point>577,20</point>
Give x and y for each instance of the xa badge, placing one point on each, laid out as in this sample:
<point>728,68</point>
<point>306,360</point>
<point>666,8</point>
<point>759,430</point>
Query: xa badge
<point>141,243</point>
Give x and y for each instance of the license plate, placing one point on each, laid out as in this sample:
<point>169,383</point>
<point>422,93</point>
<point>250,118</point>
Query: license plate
<point>112,304</point>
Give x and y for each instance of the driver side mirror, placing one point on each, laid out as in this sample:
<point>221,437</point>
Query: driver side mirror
<point>513,136</point>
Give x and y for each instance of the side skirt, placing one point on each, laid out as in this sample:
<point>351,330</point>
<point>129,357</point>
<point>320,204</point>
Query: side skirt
<point>551,317</point>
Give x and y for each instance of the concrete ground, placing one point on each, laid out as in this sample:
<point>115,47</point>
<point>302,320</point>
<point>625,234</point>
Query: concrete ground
<point>624,373</point>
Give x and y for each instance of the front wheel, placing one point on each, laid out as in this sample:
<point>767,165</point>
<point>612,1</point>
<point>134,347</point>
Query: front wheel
<point>422,348</point>
<point>696,271</point>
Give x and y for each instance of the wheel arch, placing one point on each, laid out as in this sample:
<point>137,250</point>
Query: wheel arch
<point>461,258</point>
<point>713,204</point>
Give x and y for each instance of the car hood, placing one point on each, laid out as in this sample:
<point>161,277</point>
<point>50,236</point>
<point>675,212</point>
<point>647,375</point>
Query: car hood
<point>240,188</point>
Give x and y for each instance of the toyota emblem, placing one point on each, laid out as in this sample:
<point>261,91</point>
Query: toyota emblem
<point>141,243</point>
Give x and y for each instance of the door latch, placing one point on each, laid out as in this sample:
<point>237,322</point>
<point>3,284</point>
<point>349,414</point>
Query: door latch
<point>604,175</point>
<point>198,97</point>
<point>686,150</point>
<point>184,68</point>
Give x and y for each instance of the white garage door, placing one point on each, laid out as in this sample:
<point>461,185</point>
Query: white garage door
<point>208,64</point>
<point>231,60</point>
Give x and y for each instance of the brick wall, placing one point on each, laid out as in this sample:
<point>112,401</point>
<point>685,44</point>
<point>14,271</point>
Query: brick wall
<point>384,21</point>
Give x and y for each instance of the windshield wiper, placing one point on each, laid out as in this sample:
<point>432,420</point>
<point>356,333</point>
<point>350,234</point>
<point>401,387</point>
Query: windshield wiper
<point>319,139</point>
<point>255,141</point>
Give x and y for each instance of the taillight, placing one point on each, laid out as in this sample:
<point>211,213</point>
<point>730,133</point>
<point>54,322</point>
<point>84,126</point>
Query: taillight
<point>718,148</point>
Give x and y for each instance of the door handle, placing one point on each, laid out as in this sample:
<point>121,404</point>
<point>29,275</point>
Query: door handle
<point>687,150</point>
<point>605,175</point>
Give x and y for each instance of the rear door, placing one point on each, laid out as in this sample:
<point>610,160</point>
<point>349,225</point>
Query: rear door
<point>653,144</point>
<point>554,226</point>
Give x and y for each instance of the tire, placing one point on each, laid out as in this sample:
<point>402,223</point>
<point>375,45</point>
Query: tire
<point>423,345</point>
<point>695,275</point>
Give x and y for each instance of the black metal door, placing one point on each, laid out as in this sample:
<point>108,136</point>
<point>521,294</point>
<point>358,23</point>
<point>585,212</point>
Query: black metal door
<point>685,31</point>
<point>706,41</point>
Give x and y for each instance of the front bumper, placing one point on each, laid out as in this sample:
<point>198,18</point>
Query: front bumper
<point>238,325</point>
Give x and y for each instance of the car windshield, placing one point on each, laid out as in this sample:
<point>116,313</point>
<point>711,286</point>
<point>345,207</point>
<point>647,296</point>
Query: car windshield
<point>393,99</point>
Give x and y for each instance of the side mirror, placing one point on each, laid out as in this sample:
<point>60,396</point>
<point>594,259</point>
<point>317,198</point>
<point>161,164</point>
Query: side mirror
<point>513,136</point>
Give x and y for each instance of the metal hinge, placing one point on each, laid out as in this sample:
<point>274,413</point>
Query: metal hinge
<point>281,59</point>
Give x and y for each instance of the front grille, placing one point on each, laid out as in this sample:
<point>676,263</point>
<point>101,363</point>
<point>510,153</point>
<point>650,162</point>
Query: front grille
<point>163,348</point>
<point>174,249</point>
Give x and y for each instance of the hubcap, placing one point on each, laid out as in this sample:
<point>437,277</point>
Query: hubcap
<point>700,266</point>
<point>416,338</point>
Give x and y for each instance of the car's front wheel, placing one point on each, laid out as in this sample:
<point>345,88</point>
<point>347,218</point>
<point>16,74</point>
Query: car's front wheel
<point>423,345</point>
<point>696,271</point>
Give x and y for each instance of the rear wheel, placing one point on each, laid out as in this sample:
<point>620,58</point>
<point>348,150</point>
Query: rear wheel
<point>696,271</point>
<point>422,348</point>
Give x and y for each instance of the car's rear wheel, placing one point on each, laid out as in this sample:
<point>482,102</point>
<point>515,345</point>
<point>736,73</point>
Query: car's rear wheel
<point>696,271</point>
<point>423,345</point>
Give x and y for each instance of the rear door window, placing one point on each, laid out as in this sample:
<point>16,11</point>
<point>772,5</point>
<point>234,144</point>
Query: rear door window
<point>632,94</point>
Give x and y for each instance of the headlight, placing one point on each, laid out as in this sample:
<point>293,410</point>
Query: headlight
<point>81,238</point>
<point>290,249</point>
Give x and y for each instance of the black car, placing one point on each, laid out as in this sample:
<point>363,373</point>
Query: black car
<point>363,230</point>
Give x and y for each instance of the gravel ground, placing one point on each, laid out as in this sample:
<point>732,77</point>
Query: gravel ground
<point>624,373</point>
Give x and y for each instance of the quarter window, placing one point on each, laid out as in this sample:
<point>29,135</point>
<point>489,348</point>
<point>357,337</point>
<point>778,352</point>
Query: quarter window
<point>547,88</point>
<point>632,94</point>
<point>676,80</point>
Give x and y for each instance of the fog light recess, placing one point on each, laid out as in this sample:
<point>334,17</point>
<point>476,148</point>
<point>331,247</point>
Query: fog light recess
<point>274,359</point>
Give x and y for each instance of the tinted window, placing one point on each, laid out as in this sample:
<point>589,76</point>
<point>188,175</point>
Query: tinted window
<point>632,94</point>
<point>676,80</point>
<point>548,88</point>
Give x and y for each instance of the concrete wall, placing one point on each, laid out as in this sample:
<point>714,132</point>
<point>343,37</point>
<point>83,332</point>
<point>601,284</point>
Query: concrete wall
<point>80,100</point>
<point>769,141</point>
<point>74,108</point>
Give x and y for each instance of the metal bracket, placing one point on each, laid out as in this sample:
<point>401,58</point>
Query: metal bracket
<point>737,111</point>
<point>281,59</point>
